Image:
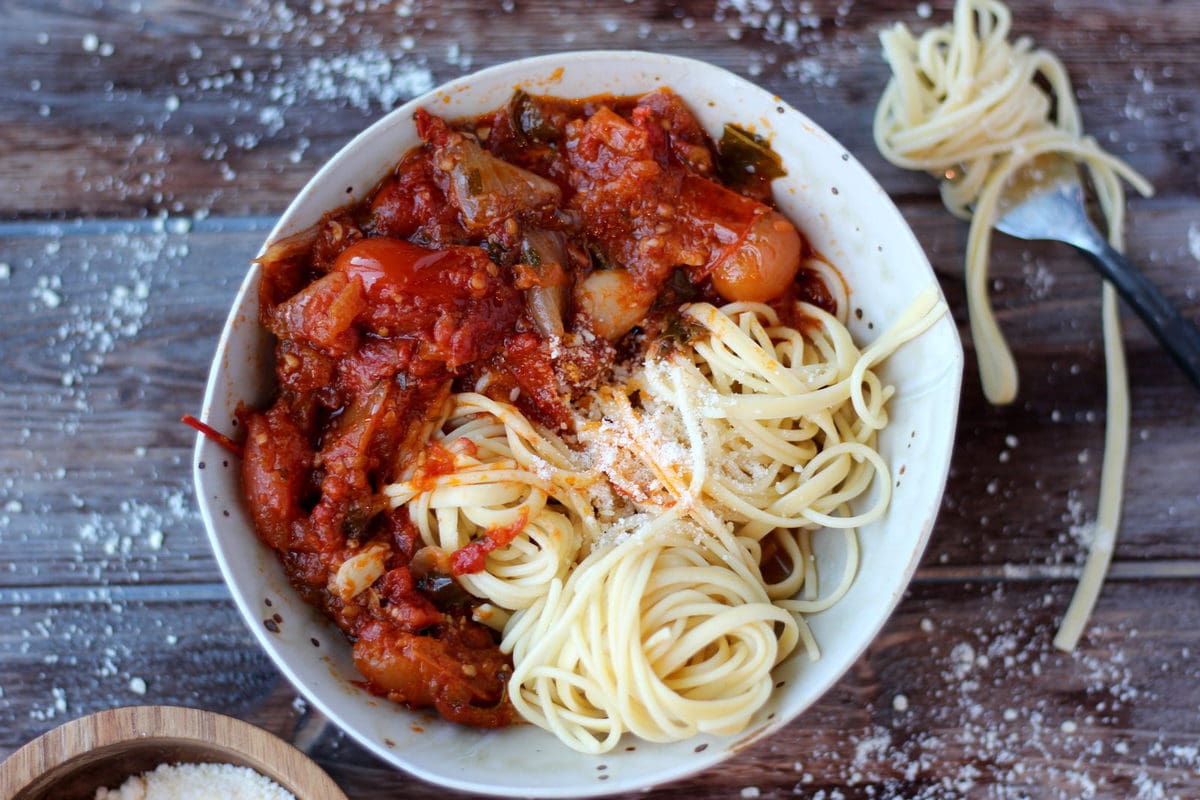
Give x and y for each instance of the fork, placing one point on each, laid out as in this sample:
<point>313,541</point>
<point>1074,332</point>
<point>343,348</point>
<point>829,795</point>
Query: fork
<point>1045,201</point>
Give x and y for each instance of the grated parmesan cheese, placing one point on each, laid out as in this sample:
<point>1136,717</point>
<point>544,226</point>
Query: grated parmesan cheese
<point>189,781</point>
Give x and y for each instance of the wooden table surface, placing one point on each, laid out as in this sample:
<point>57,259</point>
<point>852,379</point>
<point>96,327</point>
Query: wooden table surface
<point>145,148</point>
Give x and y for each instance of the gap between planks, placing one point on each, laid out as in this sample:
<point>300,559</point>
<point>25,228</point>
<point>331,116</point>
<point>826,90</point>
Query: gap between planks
<point>1178,569</point>
<point>35,229</point>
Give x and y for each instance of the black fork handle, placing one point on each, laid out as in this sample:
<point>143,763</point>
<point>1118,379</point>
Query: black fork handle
<point>1174,331</point>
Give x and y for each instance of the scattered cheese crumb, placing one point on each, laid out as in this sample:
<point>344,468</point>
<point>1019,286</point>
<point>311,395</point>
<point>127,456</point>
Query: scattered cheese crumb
<point>1193,238</point>
<point>900,703</point>
<point>137,685</point>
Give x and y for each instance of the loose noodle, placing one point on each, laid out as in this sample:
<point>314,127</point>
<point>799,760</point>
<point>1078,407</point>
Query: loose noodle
<point>965,105</point>
<point>636,582</point>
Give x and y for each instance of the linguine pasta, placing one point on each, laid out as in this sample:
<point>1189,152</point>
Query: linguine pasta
<point>634,594</point>
<point>972,108</point>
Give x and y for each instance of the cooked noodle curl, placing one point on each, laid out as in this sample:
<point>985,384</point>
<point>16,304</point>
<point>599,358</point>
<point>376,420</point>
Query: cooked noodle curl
<point>636,581</point>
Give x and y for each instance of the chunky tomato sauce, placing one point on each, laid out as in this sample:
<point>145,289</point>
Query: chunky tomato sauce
<point>521,254</point>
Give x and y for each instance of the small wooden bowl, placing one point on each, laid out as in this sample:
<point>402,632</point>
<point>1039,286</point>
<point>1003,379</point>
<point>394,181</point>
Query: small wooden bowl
<point>103,749</point>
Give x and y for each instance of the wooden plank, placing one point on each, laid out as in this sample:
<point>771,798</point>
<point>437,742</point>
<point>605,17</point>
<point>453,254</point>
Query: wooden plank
<point>111,336</point>
<point>961,691</point>
<point>107,347</point>
<point>59,661</point>
<point>229,108</point>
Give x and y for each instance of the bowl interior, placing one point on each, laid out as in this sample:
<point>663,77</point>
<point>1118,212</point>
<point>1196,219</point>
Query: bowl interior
<point>846,216</point>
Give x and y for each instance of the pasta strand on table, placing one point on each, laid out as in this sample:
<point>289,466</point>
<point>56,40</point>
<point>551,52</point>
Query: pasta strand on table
<point>969,106</point>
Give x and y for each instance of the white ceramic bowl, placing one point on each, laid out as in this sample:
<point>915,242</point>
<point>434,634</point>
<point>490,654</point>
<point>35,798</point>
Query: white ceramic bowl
<point>848,218</point>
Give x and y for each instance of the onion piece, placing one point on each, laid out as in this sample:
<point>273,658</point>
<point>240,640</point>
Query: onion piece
<point>545,305</point>
<point>485,189</point>
<point>545,253</point>
<point>358,572</point>
<point>613,302</point>
<point>430,560</point>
